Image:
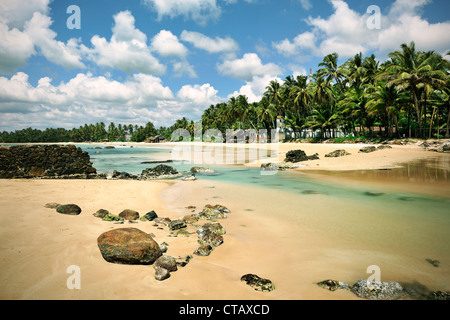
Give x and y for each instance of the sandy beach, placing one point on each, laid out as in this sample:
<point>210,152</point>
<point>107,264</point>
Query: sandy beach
<point>293,241</point>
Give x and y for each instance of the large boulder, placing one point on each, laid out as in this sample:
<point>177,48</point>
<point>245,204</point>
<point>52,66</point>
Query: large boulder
<point>299,155</point>
<point>128,246</point>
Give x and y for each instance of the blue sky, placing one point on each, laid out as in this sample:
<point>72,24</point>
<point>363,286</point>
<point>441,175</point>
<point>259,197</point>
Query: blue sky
<point>158,60</point>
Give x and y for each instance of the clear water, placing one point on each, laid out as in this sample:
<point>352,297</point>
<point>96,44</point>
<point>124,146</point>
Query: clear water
<point>124,158</point>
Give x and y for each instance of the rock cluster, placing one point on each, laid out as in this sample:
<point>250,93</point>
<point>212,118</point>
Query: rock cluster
<point>385,290</point>
<point>436,146</point>
<point>45,161</point>
<point>161,171</point>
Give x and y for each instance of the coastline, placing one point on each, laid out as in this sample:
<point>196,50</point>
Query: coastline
<point>295,242</point>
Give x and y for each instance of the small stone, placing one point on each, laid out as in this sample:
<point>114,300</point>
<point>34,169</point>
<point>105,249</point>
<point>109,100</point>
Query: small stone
<point>204,250</point>
<point>149,216</point>
<point>166,262</point>
<point>434,263</point>
<point>333,285</point>
<point>177,224</point>
<point>161,274</point>
<point>101,213</point>
<point>128,214</point>
<point>367,149</point>
<point>337,153</point>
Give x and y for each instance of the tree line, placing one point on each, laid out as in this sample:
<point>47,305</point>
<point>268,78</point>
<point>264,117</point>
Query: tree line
<point>407,95</point>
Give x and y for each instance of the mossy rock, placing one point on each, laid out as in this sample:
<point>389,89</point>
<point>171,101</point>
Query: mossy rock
<point>258,283</point>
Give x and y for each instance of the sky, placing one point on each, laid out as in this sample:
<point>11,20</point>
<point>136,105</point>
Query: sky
<point>136,61</point>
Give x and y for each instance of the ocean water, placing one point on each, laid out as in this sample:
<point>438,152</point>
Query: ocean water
<point>132,160</point>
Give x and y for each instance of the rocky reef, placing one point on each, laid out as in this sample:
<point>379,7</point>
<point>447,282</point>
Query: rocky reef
<point>46,162</point>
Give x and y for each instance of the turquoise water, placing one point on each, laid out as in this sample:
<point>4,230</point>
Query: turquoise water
<point>124,158</point>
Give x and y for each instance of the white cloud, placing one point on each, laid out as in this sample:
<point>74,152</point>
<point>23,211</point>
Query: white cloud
<point>183,67</point>
<point>89,99</point>
<point>15,48</point>
<point>127,50</point>
<point>247,68</point>
<point>346,32</point>
<point>167,45</point>
<point>24,34</point>
<point>254,89</point>
<point>211,45</point>
<point>201,11</point>
<point>16,13</point>
<point>66,55</point>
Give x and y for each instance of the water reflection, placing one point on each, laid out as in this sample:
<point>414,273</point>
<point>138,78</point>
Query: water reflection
<point>423,170</point>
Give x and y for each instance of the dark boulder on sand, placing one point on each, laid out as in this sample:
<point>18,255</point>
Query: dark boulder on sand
<point>337,153</point>
<point>128,246</point>
<point>70,209</point>
<point>258,283</point>
<point>129,214</point>
<point>299,155</point>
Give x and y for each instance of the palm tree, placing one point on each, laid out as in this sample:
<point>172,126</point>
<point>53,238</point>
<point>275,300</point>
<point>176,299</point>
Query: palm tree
<point>412,70</point>
<point>384,101</point>
<point>303,97</point>
<point>324,120</point>
<point>273,94</point>
<point>331,71</point>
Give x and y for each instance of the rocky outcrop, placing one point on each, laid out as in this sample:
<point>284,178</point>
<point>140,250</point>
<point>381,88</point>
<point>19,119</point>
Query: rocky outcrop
<point>299,155</point>
<point>161,171</point>
<point>45,161</point>
<point>128,246</point>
